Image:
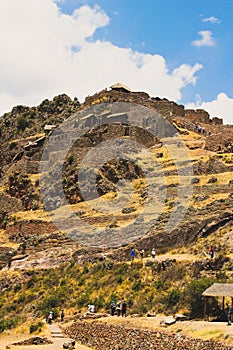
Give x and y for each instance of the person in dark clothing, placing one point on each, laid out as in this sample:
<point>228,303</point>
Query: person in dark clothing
<point>113,308</point>
<point>142,253</point>
<point>211,252</point>
<point>123,309</point>
<point>118,308</point>
<point>62,315</point>
<point>163,266</point>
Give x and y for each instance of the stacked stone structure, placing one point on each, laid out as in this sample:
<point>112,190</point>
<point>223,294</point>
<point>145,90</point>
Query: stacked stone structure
<point>166,108</point>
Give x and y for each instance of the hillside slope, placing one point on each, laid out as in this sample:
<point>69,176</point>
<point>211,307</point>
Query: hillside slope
<point>34,249</point>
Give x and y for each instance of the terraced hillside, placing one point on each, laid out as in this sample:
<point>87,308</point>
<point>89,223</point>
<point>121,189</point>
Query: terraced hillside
<point>31,238</point>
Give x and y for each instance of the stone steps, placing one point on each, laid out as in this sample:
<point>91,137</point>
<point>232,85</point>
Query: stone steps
<point>57,333</point>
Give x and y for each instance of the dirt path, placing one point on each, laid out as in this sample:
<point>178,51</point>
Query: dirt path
<point>56,337</point>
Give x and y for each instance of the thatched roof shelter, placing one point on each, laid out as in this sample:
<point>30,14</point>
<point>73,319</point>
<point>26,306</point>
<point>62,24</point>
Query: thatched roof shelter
<point>120,87</point>
<point>219,290</point>
<point>222,290</point>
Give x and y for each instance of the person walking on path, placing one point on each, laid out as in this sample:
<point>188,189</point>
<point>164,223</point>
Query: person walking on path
<point>153,253</point>
<point>211,252</point>
<point>62,315</point>
<point>50,318</point>
<point>113,308</point>
<point>142,253</point>
<point>118,308</point>
<point>123,309</point>
<point>132,254</point>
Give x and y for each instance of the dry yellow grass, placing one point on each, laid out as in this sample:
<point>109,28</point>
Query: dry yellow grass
<point>212,198</point>
<point>29,138</point>
<point>223,178</point>
<point>4,241</point>
<point>31,215</point>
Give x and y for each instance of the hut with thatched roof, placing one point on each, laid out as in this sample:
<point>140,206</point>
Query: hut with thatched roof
<point>218,290</point>
<point>120,87</point>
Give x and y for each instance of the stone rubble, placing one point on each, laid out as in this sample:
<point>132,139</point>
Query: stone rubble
<point>34,341</point>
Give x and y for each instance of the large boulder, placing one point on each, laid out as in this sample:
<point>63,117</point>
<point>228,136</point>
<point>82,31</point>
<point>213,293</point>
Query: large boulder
<point>69,344</point>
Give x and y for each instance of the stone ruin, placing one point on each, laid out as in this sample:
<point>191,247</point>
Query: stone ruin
<point>166,108</point>
<point>201,116</point>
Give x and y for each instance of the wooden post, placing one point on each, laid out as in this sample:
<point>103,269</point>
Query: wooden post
<point>223,303</point>
<point>205,302</point>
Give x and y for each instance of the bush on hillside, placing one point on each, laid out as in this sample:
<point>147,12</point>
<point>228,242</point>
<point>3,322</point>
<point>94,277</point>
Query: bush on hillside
<point>193,296</point>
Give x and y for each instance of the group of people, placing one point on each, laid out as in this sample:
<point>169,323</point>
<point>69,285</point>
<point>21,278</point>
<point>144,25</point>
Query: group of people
<point>142,253</point>
<point>201,130</point>
<point>51,316</point>
<point>118,308</point>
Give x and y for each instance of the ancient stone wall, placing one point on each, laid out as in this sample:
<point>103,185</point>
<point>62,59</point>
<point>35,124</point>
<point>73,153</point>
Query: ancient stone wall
<point>163,106</point>
<point>142,136</point>
<point>168,108</point>
<point>198,115</point>
<point>25,229</point>
<point>217,121</point>
<point>108,337</point>
<point>9,204</point>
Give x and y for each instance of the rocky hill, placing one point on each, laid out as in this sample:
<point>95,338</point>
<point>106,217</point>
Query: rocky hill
<point>25,131</point>
<point>30,239</point>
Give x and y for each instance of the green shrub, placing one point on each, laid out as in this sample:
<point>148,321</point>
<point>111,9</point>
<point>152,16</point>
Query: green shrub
<point>119,279</point>
<point>12,145</point>
<point>85,269</point>
<point>34,327</point>
<point>172,298</point>
<point>8,323</point>
<point>22,123</point>
<point>83,300</point>
<point>99,302</point>
<point>70,159</point>
<point>21,298</point>
<point>17,288</point>
<point>137,285</point>
<point>158,284</point>
<point>193,296</point>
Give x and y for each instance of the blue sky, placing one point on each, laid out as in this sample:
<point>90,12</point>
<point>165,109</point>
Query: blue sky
<point>168,28</point>
<point>180,49</point>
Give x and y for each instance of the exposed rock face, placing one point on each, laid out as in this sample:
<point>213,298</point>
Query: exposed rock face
<point>106,337</point>
<point>20,186</point>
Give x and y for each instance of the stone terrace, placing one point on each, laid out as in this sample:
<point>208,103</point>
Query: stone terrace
<point>108,337</point>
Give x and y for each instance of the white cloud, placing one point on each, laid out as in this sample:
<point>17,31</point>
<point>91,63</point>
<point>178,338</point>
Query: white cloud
<point>221,107</point>
<point>45,52</point>
<point>206,39</point>
<point>211,19</point>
